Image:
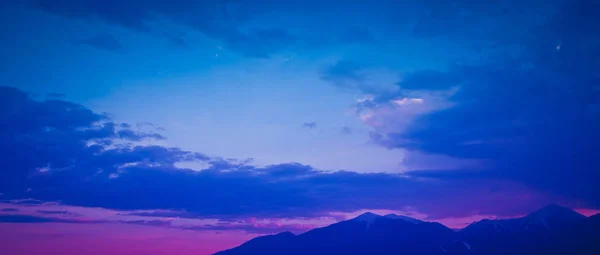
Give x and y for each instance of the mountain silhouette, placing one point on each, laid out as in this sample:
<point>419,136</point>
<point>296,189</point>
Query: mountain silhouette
<point>549,231</point>
<point>539,232</point>
<point>548,218</point>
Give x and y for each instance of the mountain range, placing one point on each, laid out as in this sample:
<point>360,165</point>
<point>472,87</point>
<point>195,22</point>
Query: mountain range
<point>552,230</point>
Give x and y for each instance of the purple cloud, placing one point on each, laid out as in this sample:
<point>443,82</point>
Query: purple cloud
<point>18,218</point>
<point>54,212</point>
<point>255,228</point>
<point>156,223</point>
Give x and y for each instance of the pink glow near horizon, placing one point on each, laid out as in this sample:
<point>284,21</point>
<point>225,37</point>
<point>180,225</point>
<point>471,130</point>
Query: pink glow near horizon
<point>116,239</point>
<point>120,239</point>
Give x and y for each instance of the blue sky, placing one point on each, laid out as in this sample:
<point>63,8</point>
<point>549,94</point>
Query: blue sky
<point>208,97</point>
<point>410,107</point>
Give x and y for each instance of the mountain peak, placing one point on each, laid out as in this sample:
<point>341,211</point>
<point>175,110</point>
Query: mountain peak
<point>553,216</point>
<point>368,217</point>
<point>402,217</point>
<point>556,211</point>
<point>554,207</point>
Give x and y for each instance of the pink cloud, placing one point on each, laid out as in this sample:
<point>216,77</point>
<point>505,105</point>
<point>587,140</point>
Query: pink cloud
<point>588,212</point>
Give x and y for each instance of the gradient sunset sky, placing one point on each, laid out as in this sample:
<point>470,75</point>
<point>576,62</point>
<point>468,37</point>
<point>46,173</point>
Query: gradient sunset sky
<point>190,126</point>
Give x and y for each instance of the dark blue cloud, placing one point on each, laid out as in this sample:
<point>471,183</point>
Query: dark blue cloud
<point>17,218</point>
<point>484,25</point>
<point>533,112</point>
<point>356,76</point>
<point>345,74</point>
<point>53,212</point>
<point>217,19</point>
<point>431,80</point>
<point>38,137</point>
<point>10,210</point>
<point>239,25</point>
<point>26,201</point>
<point>137,136</point>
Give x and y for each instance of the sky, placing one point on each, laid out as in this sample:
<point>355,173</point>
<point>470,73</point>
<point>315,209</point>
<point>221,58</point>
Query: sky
<point>188,127</point>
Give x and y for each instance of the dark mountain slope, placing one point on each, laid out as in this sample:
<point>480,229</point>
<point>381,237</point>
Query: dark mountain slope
<point>546,231</point>
<point>366,234</point>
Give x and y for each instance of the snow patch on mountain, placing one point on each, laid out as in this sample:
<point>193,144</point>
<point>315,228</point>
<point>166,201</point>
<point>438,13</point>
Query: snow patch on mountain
<point>467,245</point>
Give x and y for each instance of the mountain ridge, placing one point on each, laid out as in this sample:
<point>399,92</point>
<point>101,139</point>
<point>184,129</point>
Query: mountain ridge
<point>547,217</point>
<point>371,233</point>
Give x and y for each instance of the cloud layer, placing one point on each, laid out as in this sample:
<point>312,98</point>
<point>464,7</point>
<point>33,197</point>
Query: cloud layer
<point>60,151</point>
